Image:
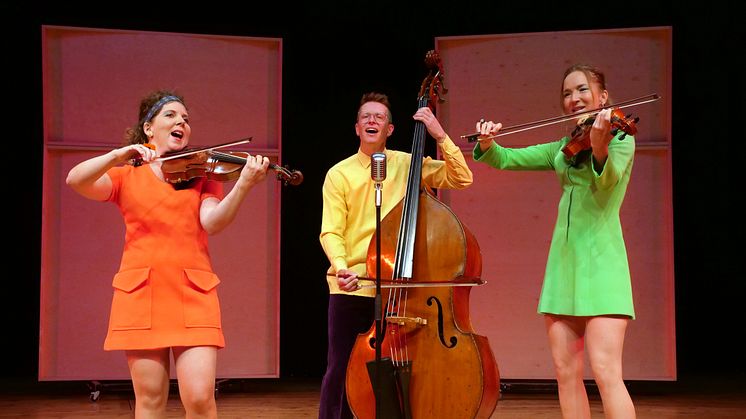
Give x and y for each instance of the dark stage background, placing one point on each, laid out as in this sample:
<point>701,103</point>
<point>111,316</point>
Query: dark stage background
<point>331,55</point>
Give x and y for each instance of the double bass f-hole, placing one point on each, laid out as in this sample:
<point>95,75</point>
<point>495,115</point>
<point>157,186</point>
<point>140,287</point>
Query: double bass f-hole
<point>453,340</point>
<point>400,321</point>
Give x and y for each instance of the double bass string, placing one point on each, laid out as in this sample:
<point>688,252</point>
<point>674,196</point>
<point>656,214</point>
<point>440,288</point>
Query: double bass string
<point>407,233</point>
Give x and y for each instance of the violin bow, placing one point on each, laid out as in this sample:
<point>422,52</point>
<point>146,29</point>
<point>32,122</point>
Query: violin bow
<point>430,284</point>
<point>201,149</point>
<point>549,121</point>
<point>390,283</point>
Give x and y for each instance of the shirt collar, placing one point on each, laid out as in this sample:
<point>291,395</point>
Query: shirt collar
<point>364,159</point>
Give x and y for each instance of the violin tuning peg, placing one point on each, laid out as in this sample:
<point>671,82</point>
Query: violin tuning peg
<point>637,119</point>
<point>614,131</point>
<point>623,136</point>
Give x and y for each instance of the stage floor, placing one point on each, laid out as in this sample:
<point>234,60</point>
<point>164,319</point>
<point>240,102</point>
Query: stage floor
<point>295,399</point>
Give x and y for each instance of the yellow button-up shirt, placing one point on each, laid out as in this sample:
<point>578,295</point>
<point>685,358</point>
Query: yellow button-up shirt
<point>348,219</point>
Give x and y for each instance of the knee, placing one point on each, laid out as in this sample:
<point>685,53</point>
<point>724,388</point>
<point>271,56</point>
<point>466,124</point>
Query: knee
<point>568,368</point>
<point>199,401</point>
<point>151,399</point>
<point>567,373</point>
<point>606,374</point>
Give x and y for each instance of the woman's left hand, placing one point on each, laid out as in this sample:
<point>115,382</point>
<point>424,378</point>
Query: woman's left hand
<point>601,131</point>
<point>255,169</point>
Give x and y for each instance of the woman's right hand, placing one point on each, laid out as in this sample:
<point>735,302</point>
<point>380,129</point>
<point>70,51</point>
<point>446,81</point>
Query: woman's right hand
<point>487,130</point>
<point>135,152</point>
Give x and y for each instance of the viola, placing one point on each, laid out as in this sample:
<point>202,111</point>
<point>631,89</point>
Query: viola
<point>581,136</point>
<point>217,165</point>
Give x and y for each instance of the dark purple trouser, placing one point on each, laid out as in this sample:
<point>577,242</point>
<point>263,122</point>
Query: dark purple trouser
<point>348,316</point>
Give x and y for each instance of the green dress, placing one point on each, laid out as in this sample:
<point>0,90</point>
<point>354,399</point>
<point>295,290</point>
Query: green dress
<point>587,273</point>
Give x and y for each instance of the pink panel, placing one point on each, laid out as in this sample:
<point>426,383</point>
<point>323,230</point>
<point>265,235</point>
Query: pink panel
<point>93,81</point>
<point>516,79</point>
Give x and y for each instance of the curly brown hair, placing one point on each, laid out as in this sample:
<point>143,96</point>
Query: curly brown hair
<point>135,133</point>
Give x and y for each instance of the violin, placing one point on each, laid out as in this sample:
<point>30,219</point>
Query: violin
<point>581,136</point>
<point>185,165</point>
<point>217,165</point>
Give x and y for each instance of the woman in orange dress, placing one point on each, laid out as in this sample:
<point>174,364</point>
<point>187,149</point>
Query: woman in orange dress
<point>165,297</point>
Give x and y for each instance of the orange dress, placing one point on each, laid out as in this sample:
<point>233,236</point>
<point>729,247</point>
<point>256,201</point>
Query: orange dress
<point>165,293</point>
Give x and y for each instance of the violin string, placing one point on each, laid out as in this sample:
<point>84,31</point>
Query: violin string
<point>283,173</point>
<point>199,150</point>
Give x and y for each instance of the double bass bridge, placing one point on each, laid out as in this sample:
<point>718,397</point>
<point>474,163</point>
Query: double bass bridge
<point>402,321</point>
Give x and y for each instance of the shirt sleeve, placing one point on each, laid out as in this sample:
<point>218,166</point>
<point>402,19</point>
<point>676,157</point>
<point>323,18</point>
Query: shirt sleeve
<point>211,189</point>
<point>535,157</point>
<point>333,218</point>
<point>116,174</point>
<point>620,156</point>
<point>451,173</point>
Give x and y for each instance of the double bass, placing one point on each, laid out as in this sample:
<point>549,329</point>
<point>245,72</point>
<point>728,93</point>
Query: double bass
<point>435,365</point>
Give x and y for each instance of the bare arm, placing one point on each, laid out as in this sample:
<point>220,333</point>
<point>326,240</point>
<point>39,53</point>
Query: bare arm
<point>217,214</point>
<point>89,177</point>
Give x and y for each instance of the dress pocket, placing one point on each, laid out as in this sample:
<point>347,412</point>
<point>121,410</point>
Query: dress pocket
<point>130,306</point>
<point>201,305</point>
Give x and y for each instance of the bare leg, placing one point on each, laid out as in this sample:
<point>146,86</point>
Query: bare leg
<point>149,372</point>
<point>196,370</point>
<point>566,343</point>
<point>605,340</point>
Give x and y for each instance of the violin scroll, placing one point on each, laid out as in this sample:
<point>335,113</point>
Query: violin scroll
<point>626,123</point>
<point>287,176</point>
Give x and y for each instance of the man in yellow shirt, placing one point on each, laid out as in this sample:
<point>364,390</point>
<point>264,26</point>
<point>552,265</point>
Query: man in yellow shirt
<point>349,221</point>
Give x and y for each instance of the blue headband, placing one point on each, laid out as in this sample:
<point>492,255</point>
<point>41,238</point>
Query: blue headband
<point>158,105</point>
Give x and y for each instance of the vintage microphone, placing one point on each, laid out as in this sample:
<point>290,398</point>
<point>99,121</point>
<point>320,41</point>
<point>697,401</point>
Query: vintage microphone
<point>378,174</point>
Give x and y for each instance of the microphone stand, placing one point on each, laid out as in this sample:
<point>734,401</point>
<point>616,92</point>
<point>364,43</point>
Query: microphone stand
<point>378,309</point>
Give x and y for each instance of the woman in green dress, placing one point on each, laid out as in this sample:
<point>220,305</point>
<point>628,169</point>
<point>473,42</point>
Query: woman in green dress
<point>586,298</point>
